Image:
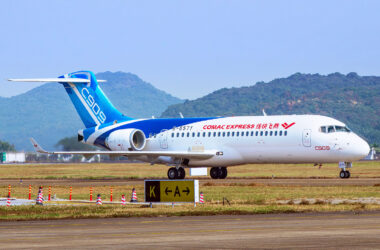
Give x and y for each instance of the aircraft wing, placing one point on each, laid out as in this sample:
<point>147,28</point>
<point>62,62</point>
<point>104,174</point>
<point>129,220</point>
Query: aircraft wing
<point>180,154</point>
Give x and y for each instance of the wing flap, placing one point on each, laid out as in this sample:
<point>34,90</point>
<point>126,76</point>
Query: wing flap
<point>180,154</point>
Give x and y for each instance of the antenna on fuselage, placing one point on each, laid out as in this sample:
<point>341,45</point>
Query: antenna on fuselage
<point>181,115</point>
<point>265,114</point>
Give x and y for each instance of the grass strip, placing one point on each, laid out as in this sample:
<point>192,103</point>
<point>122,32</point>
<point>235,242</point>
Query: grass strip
<point>110,211</point>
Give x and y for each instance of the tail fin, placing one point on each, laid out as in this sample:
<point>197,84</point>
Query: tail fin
<point>92,105</point>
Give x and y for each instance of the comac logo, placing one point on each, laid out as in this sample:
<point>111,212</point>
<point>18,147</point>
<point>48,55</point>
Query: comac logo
<point>93,105</point>
<point>286,126</point>
<point>322,148</point>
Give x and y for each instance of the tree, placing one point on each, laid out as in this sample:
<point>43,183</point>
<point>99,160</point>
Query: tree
<point>72,144</point>
<point>6,147</point>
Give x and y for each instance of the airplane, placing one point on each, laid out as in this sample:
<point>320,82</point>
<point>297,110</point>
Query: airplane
<point>215,142</point>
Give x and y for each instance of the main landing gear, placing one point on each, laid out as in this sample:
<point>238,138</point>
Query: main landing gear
<point>344,174</point>
<point>174,173</point>
<point>218,172</point>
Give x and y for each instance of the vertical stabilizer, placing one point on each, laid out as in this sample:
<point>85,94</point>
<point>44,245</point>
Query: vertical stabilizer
<point>92,105</point>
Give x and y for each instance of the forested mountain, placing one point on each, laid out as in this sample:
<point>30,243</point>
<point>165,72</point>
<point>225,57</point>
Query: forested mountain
<point>350,98</point>
<point>47,114</point>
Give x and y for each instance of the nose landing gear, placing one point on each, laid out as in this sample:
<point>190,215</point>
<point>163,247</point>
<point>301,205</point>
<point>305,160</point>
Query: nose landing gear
<point>344,174</point>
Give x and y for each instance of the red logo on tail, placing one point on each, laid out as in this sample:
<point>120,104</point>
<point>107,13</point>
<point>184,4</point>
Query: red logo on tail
<point>286,126</point>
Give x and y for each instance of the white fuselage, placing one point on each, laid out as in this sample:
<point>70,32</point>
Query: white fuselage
<point>241,140</point>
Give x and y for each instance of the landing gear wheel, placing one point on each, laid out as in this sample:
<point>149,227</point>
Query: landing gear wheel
<point>347,174</point>
<point>223,173</point>
<point>344,174</point>
<point>172,173</point>
<point>181,173</point>
<point>214,173</point>
<point>218,172</point>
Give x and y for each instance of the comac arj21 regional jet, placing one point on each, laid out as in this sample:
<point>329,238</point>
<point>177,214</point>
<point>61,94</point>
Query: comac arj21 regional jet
<point>216,142</point>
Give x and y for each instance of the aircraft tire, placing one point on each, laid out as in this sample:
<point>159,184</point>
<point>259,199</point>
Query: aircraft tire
<point>172,173</point>
<point>347,174</point>
<point>223,173</point>
<point>342,174</point>
<point>181,173</point>
<point>214,173</point>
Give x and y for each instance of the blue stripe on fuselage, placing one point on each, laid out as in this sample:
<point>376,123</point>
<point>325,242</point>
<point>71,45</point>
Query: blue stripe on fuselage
<point>151,126</point>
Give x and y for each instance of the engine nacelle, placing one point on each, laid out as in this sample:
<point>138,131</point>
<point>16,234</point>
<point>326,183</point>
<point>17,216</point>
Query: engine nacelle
<point>126,140</point>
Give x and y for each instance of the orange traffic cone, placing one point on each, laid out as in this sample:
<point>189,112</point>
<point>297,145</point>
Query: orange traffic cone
<point>201,201</point>
<point>134,195</point>
<point>99,200</point>
<point>123,199</point>
<point>8,201</point>
<point>40,198</point>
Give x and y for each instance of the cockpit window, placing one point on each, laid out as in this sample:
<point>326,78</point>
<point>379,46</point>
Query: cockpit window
<point>341,129</point>
<point>332,129</point>
<point>323,129</point>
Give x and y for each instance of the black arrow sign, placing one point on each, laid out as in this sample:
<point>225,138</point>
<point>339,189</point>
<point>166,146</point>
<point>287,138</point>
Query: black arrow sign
<point>187,190</point>
<point>167,190</point>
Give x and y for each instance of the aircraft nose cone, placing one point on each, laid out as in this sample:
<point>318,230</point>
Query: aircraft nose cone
<point>362,148</point>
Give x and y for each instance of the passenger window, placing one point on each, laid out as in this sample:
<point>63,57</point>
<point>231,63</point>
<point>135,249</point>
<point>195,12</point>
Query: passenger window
<point>188,134</point>
<point>218,134</point>
<point>193,134</point>
<point>257,133</point>
<point>199,134</point>
<point>271,133</point>
<point>233,134</point>
<point>177,134</point>
<point>266,133</point>
<point>275,133</point>
<point>285,133</point>
<point>214,134</point>
<point>331,129</point>
<point>261,133</point>
<point>172,135</point>
<point>209,134</point>
<point>228,134</point>
<point>204,134</point>
<point>183,134</point>
<point>247,133</point>
<point>252,133</point>
<point>224,133</point>
<point>237,133</point>
<point>280,134</point>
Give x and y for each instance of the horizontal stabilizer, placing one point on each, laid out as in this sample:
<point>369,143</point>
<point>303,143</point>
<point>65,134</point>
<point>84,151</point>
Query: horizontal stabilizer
<point>73,80</point>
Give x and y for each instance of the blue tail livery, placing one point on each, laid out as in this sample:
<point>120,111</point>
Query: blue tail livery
<point>92,105</point>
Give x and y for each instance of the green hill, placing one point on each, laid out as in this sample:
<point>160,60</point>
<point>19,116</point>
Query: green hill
<point>47,114</point>
<point>350,98</point>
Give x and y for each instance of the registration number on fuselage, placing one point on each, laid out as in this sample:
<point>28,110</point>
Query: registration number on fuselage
<point>183,128</point>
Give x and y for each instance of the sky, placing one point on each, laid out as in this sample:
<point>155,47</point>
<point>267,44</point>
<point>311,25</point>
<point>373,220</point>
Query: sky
<point>187,48</point>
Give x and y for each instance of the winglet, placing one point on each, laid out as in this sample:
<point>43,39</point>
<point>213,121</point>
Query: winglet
<point>37,147</point>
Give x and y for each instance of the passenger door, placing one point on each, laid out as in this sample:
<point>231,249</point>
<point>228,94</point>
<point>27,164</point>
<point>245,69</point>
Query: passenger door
<point>306,138</point>
<point>163,139</point>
